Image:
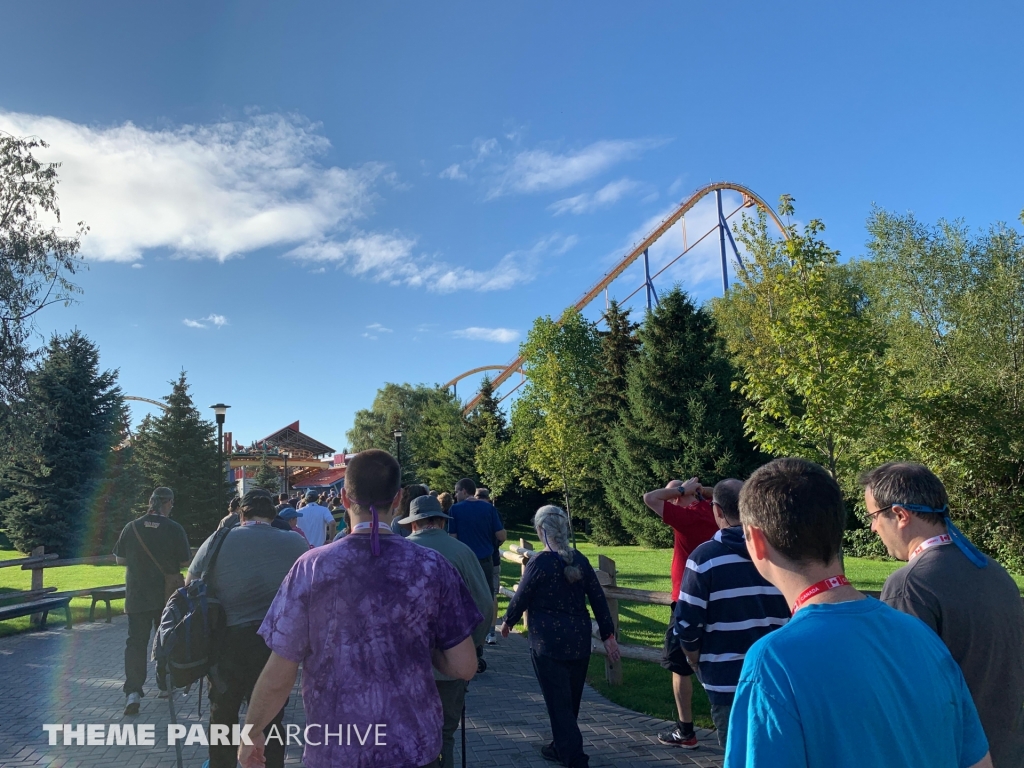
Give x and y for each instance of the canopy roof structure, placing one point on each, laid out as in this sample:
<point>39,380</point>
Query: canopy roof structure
<point>295,442</point>
<point>327,478</point>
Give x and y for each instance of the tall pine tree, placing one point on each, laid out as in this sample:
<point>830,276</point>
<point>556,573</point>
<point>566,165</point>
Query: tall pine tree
<point>56,474</point>
<point>178,450</point>
<point>267,476</point>
<point>682,417</point>
<point>619,347</point>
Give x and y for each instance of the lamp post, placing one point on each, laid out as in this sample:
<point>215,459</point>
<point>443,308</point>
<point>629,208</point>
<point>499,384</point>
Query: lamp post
<point>285,454</point>
<point>220,410</point>
<point>398,449</point>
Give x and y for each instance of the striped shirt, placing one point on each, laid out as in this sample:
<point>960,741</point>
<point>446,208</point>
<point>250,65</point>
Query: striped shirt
<point>724,606</point>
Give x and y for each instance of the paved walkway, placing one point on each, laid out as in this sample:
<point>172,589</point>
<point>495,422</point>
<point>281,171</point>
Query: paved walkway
<point>59,676</point>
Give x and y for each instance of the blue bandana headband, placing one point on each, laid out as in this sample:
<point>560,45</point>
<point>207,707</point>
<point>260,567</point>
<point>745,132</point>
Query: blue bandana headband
<point>962,542</point>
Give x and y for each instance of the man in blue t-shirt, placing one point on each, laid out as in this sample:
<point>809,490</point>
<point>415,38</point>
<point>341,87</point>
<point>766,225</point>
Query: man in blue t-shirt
<point>849,681</point>
<point>477,524</point>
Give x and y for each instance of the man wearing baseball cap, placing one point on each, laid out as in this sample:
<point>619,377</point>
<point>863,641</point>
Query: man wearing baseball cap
<point>427,520</point>
<point>245,594</point>
<point>291,516</point>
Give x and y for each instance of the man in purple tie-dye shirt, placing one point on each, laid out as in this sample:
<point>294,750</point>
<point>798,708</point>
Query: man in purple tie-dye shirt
<point>367,617</point>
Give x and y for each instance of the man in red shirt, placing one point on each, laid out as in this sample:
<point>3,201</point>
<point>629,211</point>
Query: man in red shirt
<point>684,508</point>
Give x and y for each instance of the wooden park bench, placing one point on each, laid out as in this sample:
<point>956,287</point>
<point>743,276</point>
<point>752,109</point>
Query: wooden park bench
<point>41,606</point>
<point>105,594</point>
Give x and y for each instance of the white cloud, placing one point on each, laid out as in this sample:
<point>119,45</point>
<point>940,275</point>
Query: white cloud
<point>210,191</point>
<point>378,328</point>
<point>499,335</point>
<point>390,258</point>
<point>538,170</point>
<point>452,172</point>
<point>585,203</point>
<point>136,265</point>
<point>218,321</point>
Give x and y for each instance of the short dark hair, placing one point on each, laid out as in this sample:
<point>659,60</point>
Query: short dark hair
<point>409,493</point>
<point>372,477</point>
<point>904,482</point>
<point>234,504</point>
<point>258,503</point>
<point>466,485</point>
<point>726,495</point>
<point>799,508</point>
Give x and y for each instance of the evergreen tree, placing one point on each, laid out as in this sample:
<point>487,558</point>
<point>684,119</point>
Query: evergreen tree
<point>681,418</point>
<point>178,449</point>
<point>444,442</point>
<point>501,468</point>
<point>619,346</point>
<point>267,477</point>
<point>56,474</point>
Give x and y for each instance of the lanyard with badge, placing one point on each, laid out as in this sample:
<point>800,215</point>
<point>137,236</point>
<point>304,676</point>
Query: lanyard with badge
<point>934,541</point>
<point>833,582</point>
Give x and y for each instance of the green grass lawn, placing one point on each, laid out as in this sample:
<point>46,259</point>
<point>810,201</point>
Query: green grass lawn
<point>73,577</point>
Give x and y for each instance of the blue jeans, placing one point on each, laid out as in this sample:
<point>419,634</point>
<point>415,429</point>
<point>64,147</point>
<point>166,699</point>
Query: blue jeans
<point>561,682</point>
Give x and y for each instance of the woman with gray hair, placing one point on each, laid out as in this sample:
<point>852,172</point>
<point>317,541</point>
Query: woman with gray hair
<point>555,588</point>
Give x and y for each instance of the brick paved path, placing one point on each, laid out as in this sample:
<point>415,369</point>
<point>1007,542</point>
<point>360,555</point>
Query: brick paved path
<point>59,676</point>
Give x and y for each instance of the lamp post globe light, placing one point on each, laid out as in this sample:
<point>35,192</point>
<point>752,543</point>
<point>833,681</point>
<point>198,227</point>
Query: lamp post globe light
<point>398,445</point>
<point>220,410</point>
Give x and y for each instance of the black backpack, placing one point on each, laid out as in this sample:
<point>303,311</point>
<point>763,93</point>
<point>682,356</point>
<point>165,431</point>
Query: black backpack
<point>191,625</point>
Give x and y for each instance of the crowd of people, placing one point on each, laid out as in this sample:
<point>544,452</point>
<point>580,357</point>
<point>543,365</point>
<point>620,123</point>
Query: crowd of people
<point>389,616</point>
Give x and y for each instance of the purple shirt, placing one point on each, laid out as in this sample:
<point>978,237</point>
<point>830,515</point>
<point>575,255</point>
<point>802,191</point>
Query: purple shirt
<point>363,628</point>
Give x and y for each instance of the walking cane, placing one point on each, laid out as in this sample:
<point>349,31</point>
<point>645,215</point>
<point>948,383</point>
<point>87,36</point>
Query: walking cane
<point>174,719</point>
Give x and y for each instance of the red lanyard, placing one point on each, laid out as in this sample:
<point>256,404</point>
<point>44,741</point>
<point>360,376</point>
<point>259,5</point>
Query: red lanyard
<point>822,586</point>
<point>934,541</point>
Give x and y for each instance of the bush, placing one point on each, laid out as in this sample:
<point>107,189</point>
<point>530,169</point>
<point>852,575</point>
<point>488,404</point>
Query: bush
<point>864,543</point>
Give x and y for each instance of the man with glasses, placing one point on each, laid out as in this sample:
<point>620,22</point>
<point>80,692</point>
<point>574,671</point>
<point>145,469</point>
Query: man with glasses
<point>968,599</point>
<point>722,589</point>
<point>848,682</point>
<point>685,508</point>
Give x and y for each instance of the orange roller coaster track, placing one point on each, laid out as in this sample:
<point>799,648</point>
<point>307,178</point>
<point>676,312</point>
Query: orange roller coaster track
<point>749,198</point>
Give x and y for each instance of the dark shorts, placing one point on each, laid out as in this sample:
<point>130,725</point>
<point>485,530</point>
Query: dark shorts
<point>672,657</point>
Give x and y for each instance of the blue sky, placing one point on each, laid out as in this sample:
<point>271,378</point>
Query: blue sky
<point>297,202</point>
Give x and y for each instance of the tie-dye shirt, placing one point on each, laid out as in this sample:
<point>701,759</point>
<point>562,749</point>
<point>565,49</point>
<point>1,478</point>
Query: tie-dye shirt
<point>363,628</point>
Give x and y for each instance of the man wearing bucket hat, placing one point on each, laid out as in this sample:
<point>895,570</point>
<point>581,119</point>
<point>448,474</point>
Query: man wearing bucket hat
<point>427,520</point>
<point>968,599</point>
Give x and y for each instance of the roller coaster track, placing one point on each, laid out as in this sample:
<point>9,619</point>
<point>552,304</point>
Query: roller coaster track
<point>749,198</point>
<point>157,403</point>
<point>481,369</point>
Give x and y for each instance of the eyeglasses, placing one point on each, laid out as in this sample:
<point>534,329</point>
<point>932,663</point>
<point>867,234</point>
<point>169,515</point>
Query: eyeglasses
<point>876,513</point>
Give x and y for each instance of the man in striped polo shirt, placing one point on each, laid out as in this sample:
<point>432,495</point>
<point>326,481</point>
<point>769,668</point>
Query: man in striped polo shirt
<point>724,606</point>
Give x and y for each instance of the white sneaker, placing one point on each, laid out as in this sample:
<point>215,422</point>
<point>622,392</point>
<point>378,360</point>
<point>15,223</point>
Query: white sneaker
<point>491,638</point>
<point>163,695</point>
<point>131,705</point>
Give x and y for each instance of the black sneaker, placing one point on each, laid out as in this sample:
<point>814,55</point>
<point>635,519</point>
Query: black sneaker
<point>548,752</point>
<point>676,738</point>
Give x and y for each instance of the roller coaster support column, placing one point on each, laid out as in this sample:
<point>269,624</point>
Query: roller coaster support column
<point>648,282</point>
<point>721,239</point>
